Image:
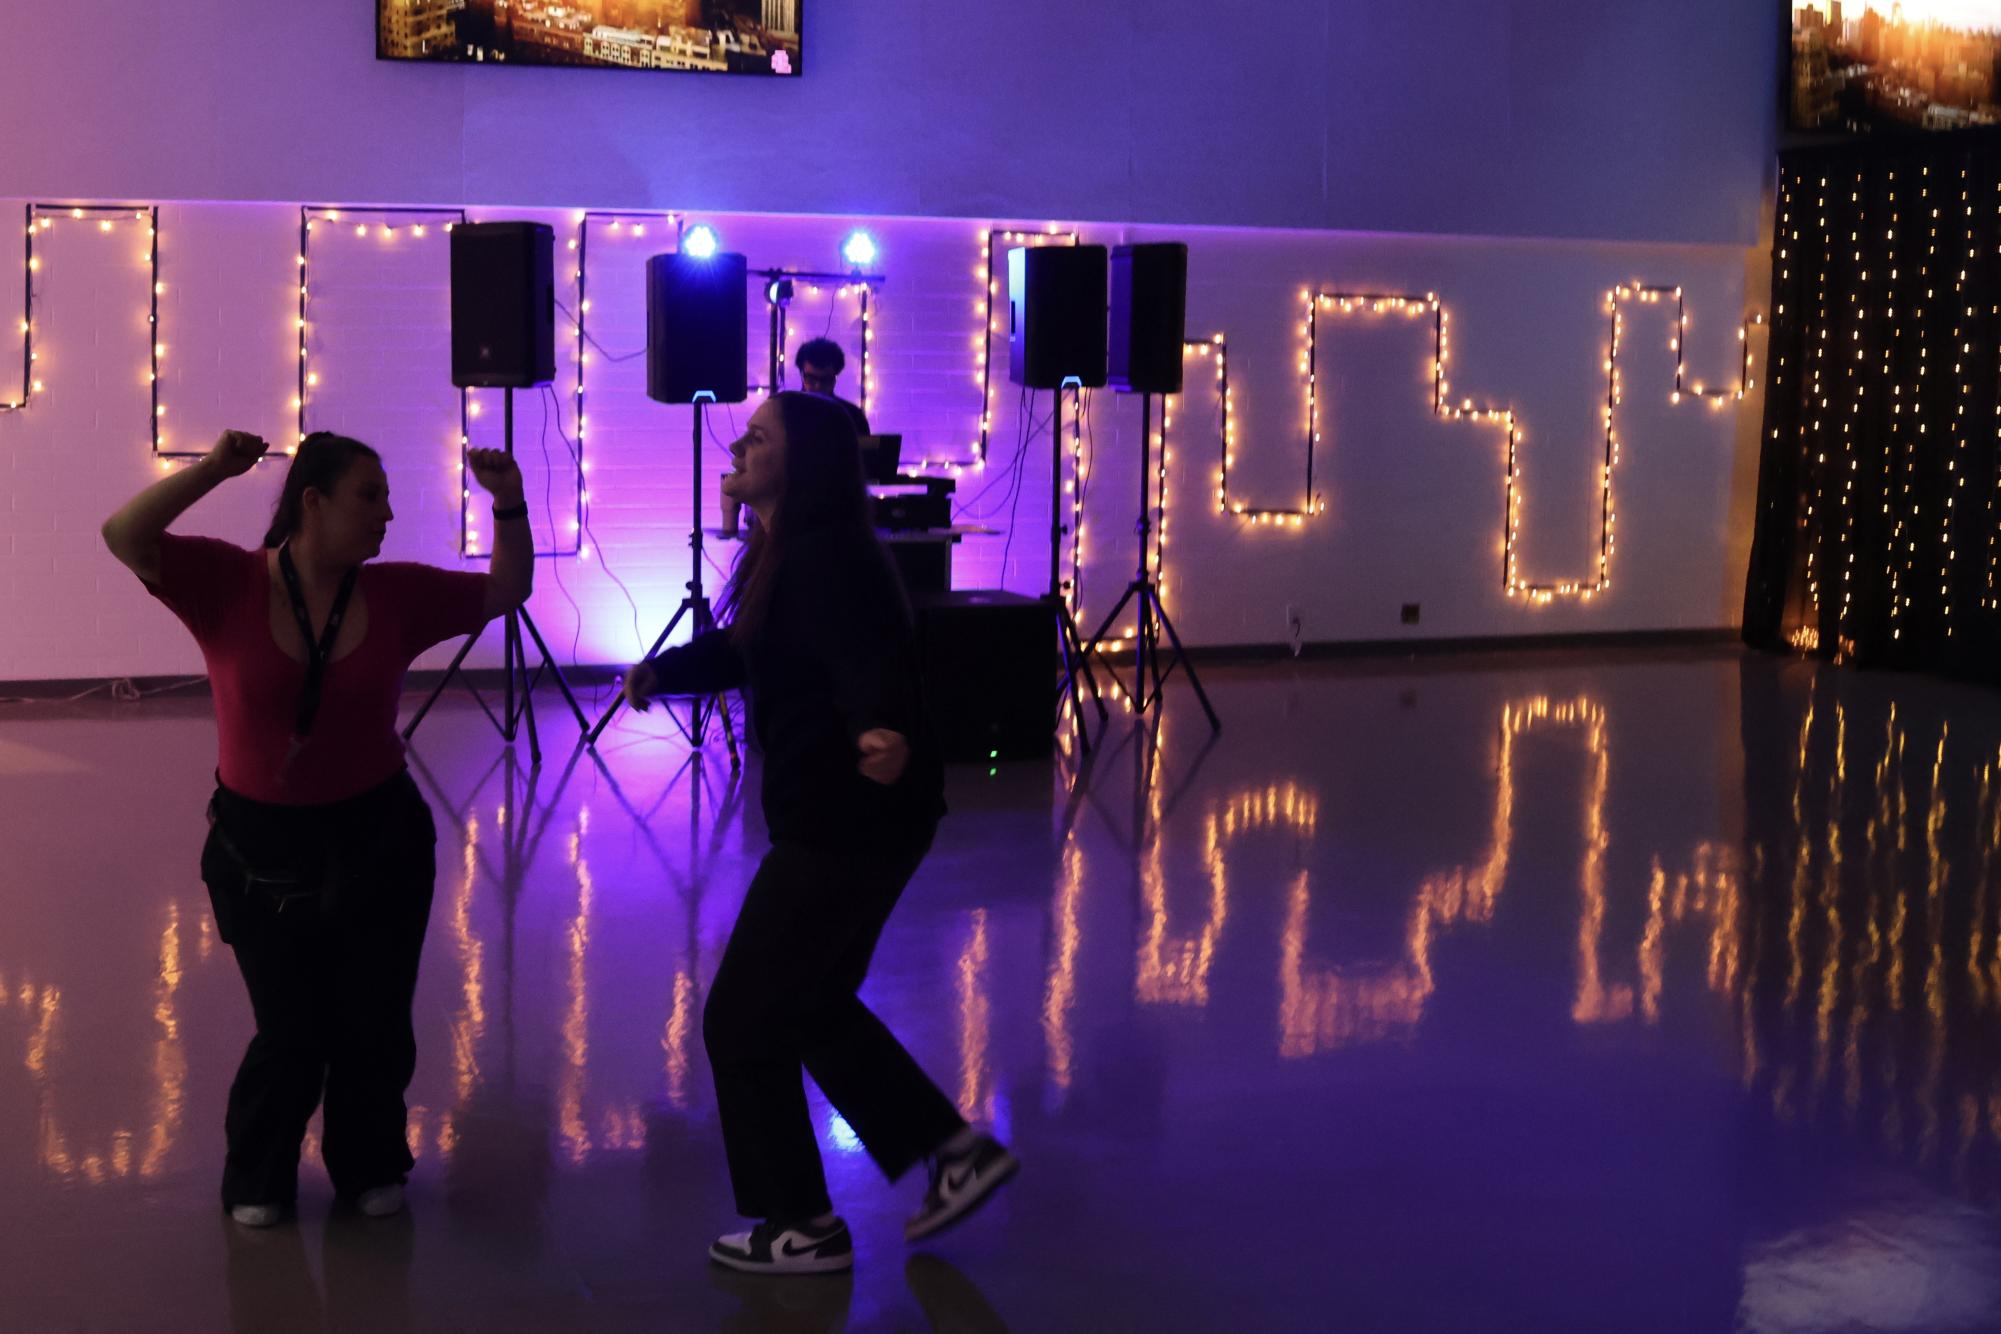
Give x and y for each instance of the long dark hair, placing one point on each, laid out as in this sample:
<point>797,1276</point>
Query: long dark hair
<point>323,459</point>
<point>824,495</point>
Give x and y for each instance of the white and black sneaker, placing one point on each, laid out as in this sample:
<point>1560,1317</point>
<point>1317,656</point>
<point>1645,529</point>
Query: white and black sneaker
<point>787,1248</point>
<point>960,1183</point>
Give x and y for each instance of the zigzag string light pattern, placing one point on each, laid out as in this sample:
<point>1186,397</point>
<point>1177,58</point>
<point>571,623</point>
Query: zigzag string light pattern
<point>987,307</point>
<point>44,217</point>
<point>1217,350</point>
<point>311,218</point>
<point>1378,303</point>
<point>618,223</point>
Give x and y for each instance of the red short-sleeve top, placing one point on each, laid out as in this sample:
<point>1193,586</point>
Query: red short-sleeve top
<point>221,592</point>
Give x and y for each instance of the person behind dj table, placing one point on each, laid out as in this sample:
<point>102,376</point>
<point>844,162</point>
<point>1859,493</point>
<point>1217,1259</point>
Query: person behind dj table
<point>321,851</point>
<point>821,632</point>
<point>820,364</point>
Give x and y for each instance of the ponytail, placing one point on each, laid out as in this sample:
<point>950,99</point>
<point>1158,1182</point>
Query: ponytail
<point>323,459</point>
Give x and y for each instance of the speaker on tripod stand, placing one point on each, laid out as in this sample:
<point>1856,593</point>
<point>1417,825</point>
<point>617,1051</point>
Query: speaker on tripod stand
<point>504,337</point>
<point>1148,326</point>
<point>697,350</point>
<point>1055,340</point>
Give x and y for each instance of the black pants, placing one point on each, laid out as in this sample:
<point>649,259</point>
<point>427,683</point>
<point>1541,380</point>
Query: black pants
<point>784,997</point>
<point>332,971</point>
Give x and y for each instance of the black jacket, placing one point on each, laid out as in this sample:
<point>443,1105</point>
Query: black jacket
<point>835,657</point>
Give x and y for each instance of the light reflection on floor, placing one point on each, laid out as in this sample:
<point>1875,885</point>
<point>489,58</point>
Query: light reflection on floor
<point>1638,992</point>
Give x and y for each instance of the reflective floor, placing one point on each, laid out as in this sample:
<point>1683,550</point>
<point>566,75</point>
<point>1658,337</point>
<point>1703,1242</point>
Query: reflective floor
<point>1625,992</point>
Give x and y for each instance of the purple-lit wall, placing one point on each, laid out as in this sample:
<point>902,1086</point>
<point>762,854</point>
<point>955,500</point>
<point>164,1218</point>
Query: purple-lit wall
<point>1414,502</point>
<point>1520,161</point>
<point>1572,118</point>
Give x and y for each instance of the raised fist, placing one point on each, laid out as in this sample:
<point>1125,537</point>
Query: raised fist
<point>497,474</point>
<point>236,452</point>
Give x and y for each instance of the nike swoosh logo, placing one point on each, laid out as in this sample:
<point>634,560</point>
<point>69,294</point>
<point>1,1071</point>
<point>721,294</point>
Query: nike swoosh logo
<point>957,1181</point>
<point>786,1249</point>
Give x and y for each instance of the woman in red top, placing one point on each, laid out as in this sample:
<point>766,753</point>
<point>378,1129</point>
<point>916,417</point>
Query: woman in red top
<point>320,856</point>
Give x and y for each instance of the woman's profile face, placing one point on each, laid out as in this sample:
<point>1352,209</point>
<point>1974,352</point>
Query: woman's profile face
<point>354,518</point>
<point>759,455</point>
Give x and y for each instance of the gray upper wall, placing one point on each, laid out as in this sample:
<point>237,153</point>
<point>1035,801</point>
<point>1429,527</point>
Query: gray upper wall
<point>1590,119</point>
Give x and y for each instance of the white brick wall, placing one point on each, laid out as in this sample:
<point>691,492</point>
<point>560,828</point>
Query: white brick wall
<point>1414,502</point>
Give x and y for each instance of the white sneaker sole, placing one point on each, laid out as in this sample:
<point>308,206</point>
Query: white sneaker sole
<point>259,1216</point>
<point>919,1228</point>
<point>798,1264</point>
<point>377,1204</point>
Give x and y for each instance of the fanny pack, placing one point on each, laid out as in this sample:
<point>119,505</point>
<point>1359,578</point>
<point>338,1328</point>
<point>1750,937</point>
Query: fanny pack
<point>304,864</point>
<point>309,877</point>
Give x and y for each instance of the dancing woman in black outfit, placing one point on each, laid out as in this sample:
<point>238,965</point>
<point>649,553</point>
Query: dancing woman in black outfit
<point>820,632</point>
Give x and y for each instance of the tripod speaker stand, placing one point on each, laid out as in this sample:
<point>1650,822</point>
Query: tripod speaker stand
<point>702,619</point>
<point>1149,310</point>
<point>1144,591</point>
<point>696,332</point>
<point>516,709</point>
<point>1056,339</point>
<point>1074,652</point>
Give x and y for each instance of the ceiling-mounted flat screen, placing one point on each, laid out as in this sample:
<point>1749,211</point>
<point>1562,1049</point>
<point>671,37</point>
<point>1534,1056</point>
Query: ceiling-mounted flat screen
<point>1863,66</point>
<point>760,37</point>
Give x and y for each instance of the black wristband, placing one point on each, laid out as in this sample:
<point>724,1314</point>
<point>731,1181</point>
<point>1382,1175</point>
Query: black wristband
<point>511,512</point>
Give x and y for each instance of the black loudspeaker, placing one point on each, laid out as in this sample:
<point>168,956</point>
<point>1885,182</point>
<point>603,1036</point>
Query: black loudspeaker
<point>989,665</point>
<point>1056,315</point>
<point>697,328</point>
<point>1149,317</point>
<point>503,304</point>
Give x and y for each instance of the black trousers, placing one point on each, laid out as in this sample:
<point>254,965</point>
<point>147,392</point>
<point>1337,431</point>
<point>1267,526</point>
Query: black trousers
<point>784,998</point>
<point>330,961</point>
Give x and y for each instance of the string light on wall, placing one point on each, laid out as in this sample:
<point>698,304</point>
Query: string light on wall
<point>30,265</point>
<point>103,218</point>
<point>783,286</point>
<point>1642,293</point>
<point>1216,350</point>
<point>1428,307</point>
<point>867,298</point>
<point>635,225</point>
<point>388,226</point>
<point>987,308</point>
<point>1080,407</point>
<point>400,226</point>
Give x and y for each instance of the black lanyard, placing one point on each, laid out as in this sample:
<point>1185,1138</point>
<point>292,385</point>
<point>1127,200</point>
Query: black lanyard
<point>317,652</point>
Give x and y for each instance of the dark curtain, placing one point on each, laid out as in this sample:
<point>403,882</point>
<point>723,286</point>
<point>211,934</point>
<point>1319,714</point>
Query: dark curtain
<point>1880,468</point>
